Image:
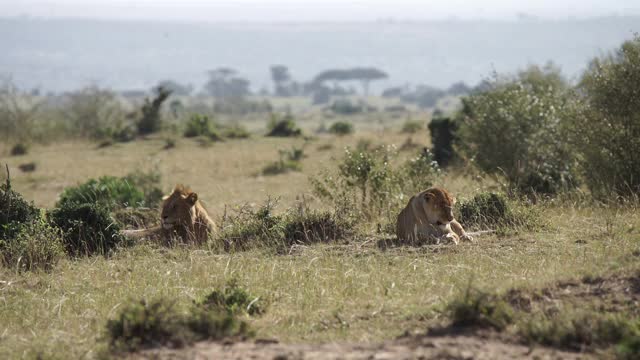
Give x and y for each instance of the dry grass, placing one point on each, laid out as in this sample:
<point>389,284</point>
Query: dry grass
<point>318,293</point>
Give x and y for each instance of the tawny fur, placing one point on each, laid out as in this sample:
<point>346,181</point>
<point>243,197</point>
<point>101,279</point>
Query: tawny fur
<point>428,218</point>
<point>183,216</point>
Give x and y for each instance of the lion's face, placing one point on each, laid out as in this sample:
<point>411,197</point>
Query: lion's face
<point>439,205</point>
<point>178,208</point>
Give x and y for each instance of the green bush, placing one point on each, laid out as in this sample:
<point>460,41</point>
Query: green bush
<point>161,323</point>
<point>283,126</point>
<point>108,191</point>
<point>606,130</point>
<point>36,245</point>
<point>134,190</point>
<point>412,127</point>
<point>19,149</point>
<point>87,228</point>
<point>515,129</point>
<point>443,135</point>
<point>489,210</point>
<point>202,125</point>
<point>233,299</point>
<point>147,183</point>
<point>341,128</point>
<point>14,210</point>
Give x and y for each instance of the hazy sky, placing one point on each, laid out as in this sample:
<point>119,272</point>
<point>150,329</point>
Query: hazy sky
<point>315,10</point>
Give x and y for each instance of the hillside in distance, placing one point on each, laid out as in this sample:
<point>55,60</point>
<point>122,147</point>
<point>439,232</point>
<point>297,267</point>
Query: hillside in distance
<point>65,54</point>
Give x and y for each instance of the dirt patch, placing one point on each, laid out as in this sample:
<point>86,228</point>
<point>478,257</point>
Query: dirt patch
<point>414,347</point>
<point>612,294</point>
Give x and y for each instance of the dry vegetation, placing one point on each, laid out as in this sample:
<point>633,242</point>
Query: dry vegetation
<point>344,292</point>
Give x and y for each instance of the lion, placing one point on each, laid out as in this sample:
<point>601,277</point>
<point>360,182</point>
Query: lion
<point>428,217</point>
<point>182,215</point>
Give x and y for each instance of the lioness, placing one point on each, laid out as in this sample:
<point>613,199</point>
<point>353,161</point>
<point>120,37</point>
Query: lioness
<point>183,215</point>
<point>428,217</point>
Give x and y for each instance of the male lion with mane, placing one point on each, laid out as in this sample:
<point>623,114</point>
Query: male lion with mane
<point>182,215</point>
<point>428,218</point>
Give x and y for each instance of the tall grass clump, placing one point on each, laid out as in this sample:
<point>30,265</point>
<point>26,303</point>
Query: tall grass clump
<point>579,330</point>
<point>289,160</point>
<point>87,228</point>
<point>36,245</point>
<point>232,298</point>
<point>514,129</point>
<point>161,322</point>
<point>262,227</point>
<point>607,131</point>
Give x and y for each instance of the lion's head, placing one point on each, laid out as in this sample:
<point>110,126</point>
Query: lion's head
<point>178,208</point>
<point>438,206</point>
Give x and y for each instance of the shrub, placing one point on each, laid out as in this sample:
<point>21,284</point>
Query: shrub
<point>160,323</point>
<point>420,172</point>
<point>341,128</point>
<point>514,129</point>
<point>443,134</point>
<point>490,210</point>
<point>36,245</point>
<point>289,161</point>
<point>14,210</point>
<point>235,131</point>
<point>19,149</point>
<point>476,308</point>
<point>412,127</point>
<point>87,228</point>
<point>27,167</point>
<point>202,125</point>
<point>95,113</point>
<point>234,300</point>
<point>147,183</point>
<point>283,127</point>
<point>603,131</point>
<point>107,191</point>
<point>576,330</point>
<point>151,120</point>
<point>135,190</point>
<point>373,179</point>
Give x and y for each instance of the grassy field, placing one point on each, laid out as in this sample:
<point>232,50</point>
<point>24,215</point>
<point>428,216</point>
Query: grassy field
<point>352,291</point>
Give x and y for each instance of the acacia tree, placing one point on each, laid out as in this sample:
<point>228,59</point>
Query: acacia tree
<point>225,82</point>
<point>281,79</point>
<point>364,75</point>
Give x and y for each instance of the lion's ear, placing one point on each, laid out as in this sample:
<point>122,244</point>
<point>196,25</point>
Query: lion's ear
<point>429,196</point>
<point>192,198</point>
